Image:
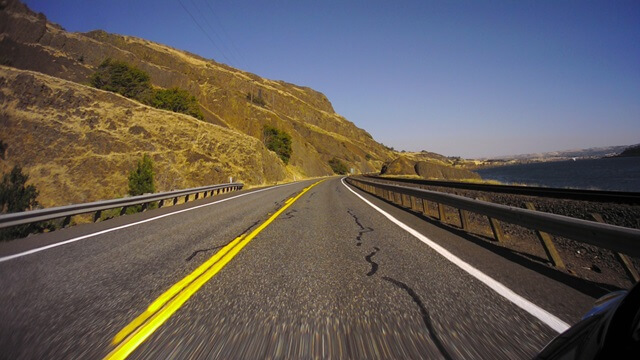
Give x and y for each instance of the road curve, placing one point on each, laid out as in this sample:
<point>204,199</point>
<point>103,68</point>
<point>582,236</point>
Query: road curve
<point>329,277</point>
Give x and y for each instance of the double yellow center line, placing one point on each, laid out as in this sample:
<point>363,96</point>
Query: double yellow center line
<point>134,334</point>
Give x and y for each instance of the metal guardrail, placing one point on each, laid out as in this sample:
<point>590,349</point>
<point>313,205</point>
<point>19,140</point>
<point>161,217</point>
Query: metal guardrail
<point>617,238</point>
<point>27,217</point>
<point>619,197</point>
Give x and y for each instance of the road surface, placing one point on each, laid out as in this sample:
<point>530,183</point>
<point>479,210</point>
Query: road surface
<point>330,276</point>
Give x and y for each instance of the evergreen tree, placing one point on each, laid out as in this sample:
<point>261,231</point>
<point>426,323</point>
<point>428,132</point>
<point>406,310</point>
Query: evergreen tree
<point>141,178</point>
<point>15,196</point>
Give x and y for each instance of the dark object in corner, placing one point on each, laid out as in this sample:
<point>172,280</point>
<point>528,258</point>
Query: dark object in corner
<point>611,330</point>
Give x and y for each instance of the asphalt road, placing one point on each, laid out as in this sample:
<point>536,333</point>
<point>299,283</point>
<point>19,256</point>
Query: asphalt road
<point>330,277</point>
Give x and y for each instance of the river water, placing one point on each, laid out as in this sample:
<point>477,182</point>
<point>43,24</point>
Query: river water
<point>621,174</point>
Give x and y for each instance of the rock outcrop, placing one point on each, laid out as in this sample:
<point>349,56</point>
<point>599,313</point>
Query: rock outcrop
<point>427,170</point>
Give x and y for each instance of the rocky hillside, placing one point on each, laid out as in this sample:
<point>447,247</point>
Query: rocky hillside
<point>78,143</point>
<point>29,42</point>
<point>427,167</point>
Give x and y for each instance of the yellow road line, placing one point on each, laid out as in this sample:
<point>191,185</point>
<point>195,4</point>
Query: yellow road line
<point>175,289</point>
<point>168,303</point>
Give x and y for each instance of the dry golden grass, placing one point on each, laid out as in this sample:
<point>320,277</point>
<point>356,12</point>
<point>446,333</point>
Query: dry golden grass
<point>78,144</point>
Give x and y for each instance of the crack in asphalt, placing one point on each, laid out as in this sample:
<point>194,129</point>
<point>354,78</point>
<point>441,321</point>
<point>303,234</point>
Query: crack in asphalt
<point>221,246</point>
<point>363,230</point>
<point>289,214</point>
<point>249,228</point>
<point>374,265</point>
<point>204,250</point>
<point>309,197</point>
<point>425,315</point>
<point>426,319</point>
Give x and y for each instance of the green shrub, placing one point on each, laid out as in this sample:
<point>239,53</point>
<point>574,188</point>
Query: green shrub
<point>278,141</point>
<point>338,166</point>
<point>16,196</point>
<point>124,79</point>
<point>141,181</point>
<point>141,178</point>
<point>3,149</point>
<point>177,100</point>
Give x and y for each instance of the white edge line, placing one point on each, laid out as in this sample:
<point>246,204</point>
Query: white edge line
<point>551,320</point>
<point>33,251</point>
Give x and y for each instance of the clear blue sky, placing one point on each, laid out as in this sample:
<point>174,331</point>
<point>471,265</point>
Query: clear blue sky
<point>461,78</point>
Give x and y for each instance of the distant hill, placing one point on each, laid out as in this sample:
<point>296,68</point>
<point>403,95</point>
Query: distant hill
<point>596,152</point>
<point>631,151</point>
<point>236,107</point>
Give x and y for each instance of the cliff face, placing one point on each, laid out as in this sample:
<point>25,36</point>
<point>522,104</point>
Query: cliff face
<point>28,41</point>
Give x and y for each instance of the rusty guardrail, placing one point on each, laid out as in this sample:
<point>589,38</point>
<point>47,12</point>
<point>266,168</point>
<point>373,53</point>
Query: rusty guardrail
<point>66,212</point>
<point>620,239</point>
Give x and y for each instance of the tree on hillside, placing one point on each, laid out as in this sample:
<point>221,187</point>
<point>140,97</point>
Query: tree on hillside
<point>338,166</point>
<point>141,178</point>
<point>124,79</point>
<point>15,195</point>
<point>177,100</point>
<point>277,141</point>
<point>3,149</point>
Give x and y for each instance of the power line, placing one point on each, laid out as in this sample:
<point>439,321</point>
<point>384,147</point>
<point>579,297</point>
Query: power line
<point>206,21</point>
<point>203,31</point>
<point>224,31</point>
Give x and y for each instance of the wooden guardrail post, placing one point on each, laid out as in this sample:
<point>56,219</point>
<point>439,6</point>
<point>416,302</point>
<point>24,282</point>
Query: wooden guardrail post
<point>547,243</point>
<point>425,207</point>
<point>464,219</point>
<point>442,216</point>
<point>627,265</point>
<point>496,228</point>
<point>123,210</point>
<point>413,203</point>
<point>66,221</point>
<point>96,216</point>
<point>175,200</point>
<point>161,204</point>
